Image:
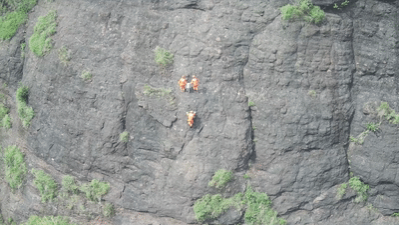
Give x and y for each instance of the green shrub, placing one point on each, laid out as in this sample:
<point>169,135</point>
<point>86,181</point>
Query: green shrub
<point>46,185</point>
<point>360,188</point>
<point>221,178</point>
<point>210,207</point>
<point>251,104</point>
<point>47,220</point>
<point>95,190</point>
<point>257,205</point>
<point>3,111</point>
<point>15,167</point>
<point>64,55</point>
<point>341,190</point>
<point>259,209</point>
<point>124,136</point>
<point>157,92</point>
<point>23,46</point>
<point>40,41</point>
<point>69,185</point>
<point>246,176</point>
<point>312,93</point>
<point>25,113</point>
<point>303,10</point>
<point>372,126</point>
<point>6,122</point>
<point>395,214</point>
<point>86,75</point>
<point>108,210</point>
<point>163,57</point>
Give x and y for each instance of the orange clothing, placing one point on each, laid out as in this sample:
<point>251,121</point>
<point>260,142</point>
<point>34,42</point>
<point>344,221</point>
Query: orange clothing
<point>182,83</point>
<point>190,118</point>
<point>195,83</point>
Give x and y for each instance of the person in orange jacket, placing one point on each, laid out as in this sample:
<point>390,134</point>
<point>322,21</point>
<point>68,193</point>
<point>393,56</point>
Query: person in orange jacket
<point>190,118</point>
<point>182,83</point>
<point>195,83</point>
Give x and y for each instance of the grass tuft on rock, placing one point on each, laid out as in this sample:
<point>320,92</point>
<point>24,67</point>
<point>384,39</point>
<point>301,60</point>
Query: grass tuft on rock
<point>163,57</point>
<point>15,166</point>
<point>69,185</point>
<point>95,190</point>
<point>304,10</point>
<point>14,15</point>
<point>124,137</point>
<point>40,42</point>
<point>25,112</point>
<point>360,188</point>
<point>45,184</point>
<point>221,178</point>
<point>108,210</point>
<point>47,220</point>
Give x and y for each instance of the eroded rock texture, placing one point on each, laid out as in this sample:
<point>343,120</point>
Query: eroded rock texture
<point>308,85</point>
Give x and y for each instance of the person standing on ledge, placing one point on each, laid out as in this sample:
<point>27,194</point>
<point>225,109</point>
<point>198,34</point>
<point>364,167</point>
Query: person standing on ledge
<point>190,118</point>
<point>195,83</point>
<point>182,83</point>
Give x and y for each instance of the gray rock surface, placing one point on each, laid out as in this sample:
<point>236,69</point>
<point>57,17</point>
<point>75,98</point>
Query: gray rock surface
<point>308,84</point>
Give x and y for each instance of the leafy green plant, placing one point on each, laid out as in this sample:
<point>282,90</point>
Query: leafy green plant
<point>312,93</point>
<point>163,57</point>
<point>15,166</point>
<point>86,75</point>
<point>64,55</point>
<point>221,178</point>
<point>47,220</point>
<point>395,214</point>
<point>124,136</point>
<point>69,185</point>
<point>108,210</point>
<point>25,113</point>
<point>343,4</point>
<point>212,206</point>
<point>251,104</point>
<point>14,16</point>
<point>157,92</point>
<point>360,188</point>
<point>45,184</point>
<point>372,126</point>
<point>303,10</point>
<point>23,45</point>
<point>95,190</point>
<point>259,210</point>
<point>40,41</point>
<point>246,176</point>
<point>341,190</point>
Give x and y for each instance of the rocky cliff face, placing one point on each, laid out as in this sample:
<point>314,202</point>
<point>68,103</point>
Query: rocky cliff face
<point>310,88</point>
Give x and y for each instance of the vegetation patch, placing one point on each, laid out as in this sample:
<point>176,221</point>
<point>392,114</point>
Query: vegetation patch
<point>373,127</point>
<point>64,55</point>
<point>251,104</point>
<point>343,4</point>
<point>312,93</point>
<point>25,112</point>
<point>157,92</point>
<point>221,178</point>
<point>108,210</point>
<point>259,210</point>
<point>69,185</point>
<point>163,57</point>
<point>46,185</point>
<point>15,166</point>
<point>212,206</point>
<point>5,120</point>
<point>86,75</point>
<point>124,136</point>
<point>95,190</point>
<point>47,220</point>
<point>40,42</point>
<point>23,46</point>
<point>341,190</point>
<point>304,10</point>
<point>13,13</point>
<point>360,188</point>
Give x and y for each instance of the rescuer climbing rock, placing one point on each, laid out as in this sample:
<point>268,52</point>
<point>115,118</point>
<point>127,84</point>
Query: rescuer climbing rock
<point>195,83</point>
<point>190,118</point>
<point>182,83</point>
